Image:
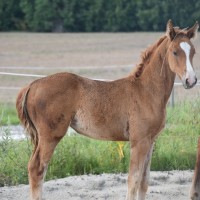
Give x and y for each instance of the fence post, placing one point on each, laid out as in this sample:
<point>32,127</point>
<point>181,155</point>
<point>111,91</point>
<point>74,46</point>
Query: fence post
<point>172,98</point>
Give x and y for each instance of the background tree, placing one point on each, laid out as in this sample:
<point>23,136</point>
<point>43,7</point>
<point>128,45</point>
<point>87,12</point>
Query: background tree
<point>11,15</point>
<point>96,15</point>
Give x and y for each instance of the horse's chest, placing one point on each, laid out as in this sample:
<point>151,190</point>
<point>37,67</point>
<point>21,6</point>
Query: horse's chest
<point>155,122</point>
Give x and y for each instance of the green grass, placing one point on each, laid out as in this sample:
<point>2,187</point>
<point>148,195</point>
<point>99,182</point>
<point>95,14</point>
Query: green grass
<point>74,155</point>
<point>175,148</point>
<point>8,114</point>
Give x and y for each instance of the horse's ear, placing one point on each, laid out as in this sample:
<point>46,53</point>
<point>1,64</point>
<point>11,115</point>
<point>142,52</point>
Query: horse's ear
<point>170,32</point>
<point>192,32</point>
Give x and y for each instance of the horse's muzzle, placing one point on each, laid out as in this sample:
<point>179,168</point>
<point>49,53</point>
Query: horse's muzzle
<point>189,83</point>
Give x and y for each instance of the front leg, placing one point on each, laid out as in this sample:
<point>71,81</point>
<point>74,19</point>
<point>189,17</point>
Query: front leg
<point>139,151</point>
<point>145,176</point>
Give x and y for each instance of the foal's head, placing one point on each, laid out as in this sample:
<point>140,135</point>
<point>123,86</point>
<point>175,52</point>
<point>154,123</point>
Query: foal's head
<point>180,53</point>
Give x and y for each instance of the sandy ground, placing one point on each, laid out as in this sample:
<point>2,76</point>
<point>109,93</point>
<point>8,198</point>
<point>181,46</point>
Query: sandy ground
<point>173,185</point>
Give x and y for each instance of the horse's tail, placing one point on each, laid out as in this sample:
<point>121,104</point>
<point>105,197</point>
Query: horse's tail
<point>21,105</point>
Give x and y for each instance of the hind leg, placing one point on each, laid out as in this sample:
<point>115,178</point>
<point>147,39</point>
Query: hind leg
<point>38,165</point>
<point>145,177</point>
<point>48,139</point>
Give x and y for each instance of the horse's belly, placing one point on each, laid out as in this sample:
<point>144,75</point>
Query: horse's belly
<point>101,131</point>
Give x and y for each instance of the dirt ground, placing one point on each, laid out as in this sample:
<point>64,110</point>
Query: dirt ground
<point>93,55</point>
<point>173,185</point>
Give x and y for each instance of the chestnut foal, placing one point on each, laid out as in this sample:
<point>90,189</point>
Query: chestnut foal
<point>129,109</point>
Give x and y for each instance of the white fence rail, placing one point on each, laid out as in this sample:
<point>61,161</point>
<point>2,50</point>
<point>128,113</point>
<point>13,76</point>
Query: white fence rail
<point>172,97</point>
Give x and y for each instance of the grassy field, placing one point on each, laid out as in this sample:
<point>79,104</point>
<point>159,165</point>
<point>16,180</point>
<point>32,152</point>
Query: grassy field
<point>175,149</point>
<point>8,114</point>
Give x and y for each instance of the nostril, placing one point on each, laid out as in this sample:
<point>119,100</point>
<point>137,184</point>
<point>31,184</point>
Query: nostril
<point>190,83</point>
<point>195,80</point>
<point>187,82</point>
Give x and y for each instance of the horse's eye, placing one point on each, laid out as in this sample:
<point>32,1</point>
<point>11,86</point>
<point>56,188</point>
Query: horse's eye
<point>175,53</point>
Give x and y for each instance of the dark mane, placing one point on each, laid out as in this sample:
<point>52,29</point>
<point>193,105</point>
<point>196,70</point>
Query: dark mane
<point>145,56</point>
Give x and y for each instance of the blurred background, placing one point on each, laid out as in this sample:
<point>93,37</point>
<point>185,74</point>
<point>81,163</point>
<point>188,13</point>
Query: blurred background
<point>95,15</point>
<point>93,38</point>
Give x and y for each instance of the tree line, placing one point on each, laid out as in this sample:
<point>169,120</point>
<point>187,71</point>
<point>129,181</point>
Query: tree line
<point>96,15</point>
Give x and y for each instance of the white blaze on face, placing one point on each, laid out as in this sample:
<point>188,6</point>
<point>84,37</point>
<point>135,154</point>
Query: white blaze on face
<point>190,75</point>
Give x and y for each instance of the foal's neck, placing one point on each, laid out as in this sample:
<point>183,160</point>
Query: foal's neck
<point>157,76</point>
